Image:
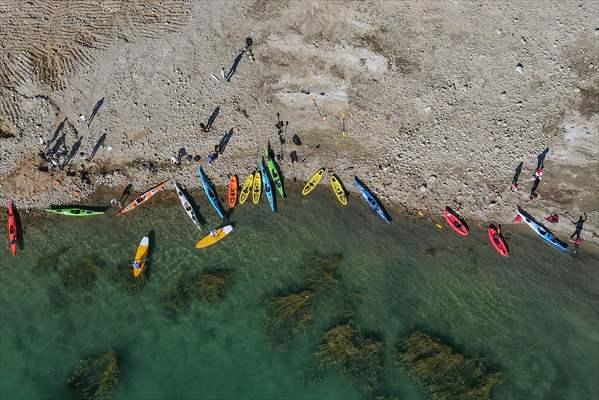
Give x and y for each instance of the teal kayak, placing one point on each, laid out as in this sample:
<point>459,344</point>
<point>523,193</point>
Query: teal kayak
<point>274,172</point>
<point>75,212</point>
<point>542,231</point>
<point>267,186</point>
<point>210,193</point>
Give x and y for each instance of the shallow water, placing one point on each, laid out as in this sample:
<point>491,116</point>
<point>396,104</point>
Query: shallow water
<point>533,315</point>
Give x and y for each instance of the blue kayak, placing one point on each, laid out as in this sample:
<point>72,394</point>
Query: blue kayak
<point>542,231</point>
<point>372,201</point>
<point>210,193</point>
<point>267,186</point>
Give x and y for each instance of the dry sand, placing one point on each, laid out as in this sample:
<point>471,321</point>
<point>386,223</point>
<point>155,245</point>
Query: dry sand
<point>441,99</point>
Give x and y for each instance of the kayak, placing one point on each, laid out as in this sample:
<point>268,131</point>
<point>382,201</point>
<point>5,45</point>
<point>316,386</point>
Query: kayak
<point>139,265</point>
<point>312,182</point>
<point>274,173</point>
<point>210,193</point>
<point>12,228</point>
<point>232,195</point>
<point>339,190</point>
<point>497,240</point>
<point>257,188</point>
<point>75,212</point>
<point>542,231</point>
<point>455,221</point>
<point>214,236</point>
<point>247,189</point>
<point>142,198</point>
<point>268,187</point>
<point>187,206</point>
<point>372,201</point>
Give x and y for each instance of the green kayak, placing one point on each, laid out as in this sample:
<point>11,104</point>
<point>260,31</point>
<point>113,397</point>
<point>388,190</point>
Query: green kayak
<point>273,168</point>
<point>75,212</point>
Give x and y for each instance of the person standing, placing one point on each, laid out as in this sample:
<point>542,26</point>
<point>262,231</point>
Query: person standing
<point>578,226</point>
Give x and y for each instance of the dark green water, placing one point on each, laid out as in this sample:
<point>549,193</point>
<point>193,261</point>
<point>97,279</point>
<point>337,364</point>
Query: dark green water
<point>534,316</point>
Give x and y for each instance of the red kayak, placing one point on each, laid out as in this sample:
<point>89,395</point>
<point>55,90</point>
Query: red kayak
<point>12,229</point>
<point>455,221</point>
<point>497,241</point>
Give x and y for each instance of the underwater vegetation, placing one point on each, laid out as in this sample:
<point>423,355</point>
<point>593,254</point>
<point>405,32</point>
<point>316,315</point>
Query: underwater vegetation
<point>360,357</point>
<point>443,373</point>
<point>48,263</point>
<point>208,286</point>
<point>123,276</point>
<point>95,376</point>
<point>80,276</point>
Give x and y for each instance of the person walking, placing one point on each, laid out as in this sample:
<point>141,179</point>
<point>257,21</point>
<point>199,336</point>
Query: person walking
<point>578,226</point>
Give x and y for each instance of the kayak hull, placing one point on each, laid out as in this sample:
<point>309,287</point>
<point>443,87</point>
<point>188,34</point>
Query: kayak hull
<point>268,187</point>
<point>214,237</point>
<point>140,256</point>
<point>247,189</point>
<point>497,240</point>
<point>210,193</point>
<point>542,231</point>
<point>232,193</point>
<point>274,173</point>
<point>75,212</point>
<point>187,206</point>
<point>12,229</point>
<point>339,190</point>
<point>257,187</point>
<point>313,182</point>
<point>455,222</point>
<point>372,201</point>
<point>144,197</point>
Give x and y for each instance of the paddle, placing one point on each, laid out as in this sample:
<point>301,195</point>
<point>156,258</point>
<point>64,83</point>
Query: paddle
<point>422,215</point>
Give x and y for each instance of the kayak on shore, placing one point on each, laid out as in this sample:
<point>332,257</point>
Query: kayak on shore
<point>268,187</point>
<point>214,236</point>
<point>257,188</point>
<point>247,188</point>
<point>455,221</point>
<point>210,193</point>
<point>75,212</point>
<point>339,190</point>
<point>372,200</point>
<point>139,265</point>
<point>12,228</point>
<point>232,192</point>
<point>142,198</point>
<point>187,206</point>
<point>542,231</point>
<point>497,240</point>
<point>274,172</point>
<point>312,182</point>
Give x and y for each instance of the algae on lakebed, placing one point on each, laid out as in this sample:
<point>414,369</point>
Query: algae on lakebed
<point>95,376</point>
<point>443,373</point>
<point>80,275</point>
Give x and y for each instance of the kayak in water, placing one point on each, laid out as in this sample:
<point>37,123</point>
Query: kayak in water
<point>75,212</point>
<point>312,182</point>
<point>210,193</point>
<point>339,190</point>
<point>497,240</point>
<point>455,221</point>
<point>371,199</point>
<point>12,229</point>
<point>187,206</point>
<point>139,265</point>
<point>247,189</point>
<point>142,198</point>
<point>232,193</point>
<point>542,231</point>
<point>214,236</point>
<point>268,187</point>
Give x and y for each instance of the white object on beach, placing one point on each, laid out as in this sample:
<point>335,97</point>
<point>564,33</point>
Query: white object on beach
<point>109,148</point>
<point>215,77</point>
<point>82,117</point>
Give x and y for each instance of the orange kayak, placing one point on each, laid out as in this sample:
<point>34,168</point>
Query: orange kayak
<point>12,229</point>
<point>233,191</point>
<point>142,198</point>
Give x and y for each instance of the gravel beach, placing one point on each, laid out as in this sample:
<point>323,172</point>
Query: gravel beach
<point>431,103</point>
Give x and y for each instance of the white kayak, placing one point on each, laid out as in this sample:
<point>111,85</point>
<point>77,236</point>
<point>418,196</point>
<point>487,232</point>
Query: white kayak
<point>187,206</point>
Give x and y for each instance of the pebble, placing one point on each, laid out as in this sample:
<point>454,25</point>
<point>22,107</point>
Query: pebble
<point>519,68</point>
<point>423,187</point>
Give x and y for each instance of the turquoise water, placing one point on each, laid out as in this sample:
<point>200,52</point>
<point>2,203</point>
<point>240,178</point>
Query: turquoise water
<point>534,315</point>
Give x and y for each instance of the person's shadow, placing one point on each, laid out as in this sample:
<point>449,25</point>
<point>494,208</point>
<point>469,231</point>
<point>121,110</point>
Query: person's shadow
<point>541,157</point>
<point>224,141</point>
<point>233,69</point>
<point>73,151</point>
<point>20,231</point>
<point>95,111</point>
<point>212,118</point>
<point>99,144</point>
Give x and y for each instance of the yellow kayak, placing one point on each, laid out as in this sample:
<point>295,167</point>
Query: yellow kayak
<point>257,187</point>
<point>314,180</point>
<point>140,257</point>
<point>339,190</point>
<point>247,188</point>
<point>214,236</point>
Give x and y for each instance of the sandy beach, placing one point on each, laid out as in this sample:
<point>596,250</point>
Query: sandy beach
<point>429,103</point>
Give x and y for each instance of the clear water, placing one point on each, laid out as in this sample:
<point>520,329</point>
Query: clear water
<point>534,315</point>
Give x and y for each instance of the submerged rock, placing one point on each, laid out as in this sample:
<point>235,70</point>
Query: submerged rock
<point>96,376</point>
<point>443,373</point>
